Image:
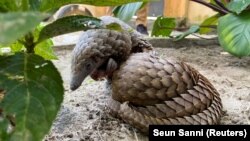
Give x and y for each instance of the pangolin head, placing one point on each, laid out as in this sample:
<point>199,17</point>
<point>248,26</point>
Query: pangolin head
<point>97,53</point>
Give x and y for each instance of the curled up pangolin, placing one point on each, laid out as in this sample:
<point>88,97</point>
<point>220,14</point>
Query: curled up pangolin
<point>145,88</point>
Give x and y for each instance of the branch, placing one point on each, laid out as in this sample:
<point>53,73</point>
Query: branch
<point>208,26</point>
<point>219,3</point>
<point>214,7</point>
<point>29,42</point>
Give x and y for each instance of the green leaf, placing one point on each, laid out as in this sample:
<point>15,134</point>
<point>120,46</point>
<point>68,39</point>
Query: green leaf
<point>48,4</point>
<point>114,26</point>
<point>3,10</point>
<point>234,33</point>
<point>20,5</point>
<point>163,26</point>
<point>127,11</point>
<point>37,31</point>
<point>3,128</point>
<point>213,20</point>
<point>35,4</point>
<point>191,30</point>
<point>69,24</point>
<point>45,50</point>
<point>10,5</point>
<point>16,47</point>
<point>15,25</point>
<point>238,5</point>
<point>34,93</point>
<point>212,1</point>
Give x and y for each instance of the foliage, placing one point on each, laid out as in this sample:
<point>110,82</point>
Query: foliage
<point>32,96</point>
<point>32,86</point>
<point>191,30</point>
<point>67,25</point>
<point>238,6</point>
<point>114,26</point>
<point>232,21</point>
<point>127,11</point>
<point>205,26</point>
<point>234,35</point>
<point>233,25</point>
<point>15,25</point>
<point>163,26</point>
<point>47,5</point>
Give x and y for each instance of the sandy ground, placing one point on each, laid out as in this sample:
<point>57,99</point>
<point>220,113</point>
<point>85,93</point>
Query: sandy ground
<point>83,115</point>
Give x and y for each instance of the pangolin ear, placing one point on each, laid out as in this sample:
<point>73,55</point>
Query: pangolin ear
<point>112,65</point>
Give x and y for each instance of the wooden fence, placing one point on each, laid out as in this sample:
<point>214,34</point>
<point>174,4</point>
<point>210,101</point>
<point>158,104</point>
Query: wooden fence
<point>193,12</point>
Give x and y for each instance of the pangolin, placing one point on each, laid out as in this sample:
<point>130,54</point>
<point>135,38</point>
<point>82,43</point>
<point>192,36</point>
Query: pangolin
<point>145,88</point>
<point>139,43</point>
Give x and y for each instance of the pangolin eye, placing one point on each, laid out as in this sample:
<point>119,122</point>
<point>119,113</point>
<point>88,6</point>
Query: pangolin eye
<point>88,66</point>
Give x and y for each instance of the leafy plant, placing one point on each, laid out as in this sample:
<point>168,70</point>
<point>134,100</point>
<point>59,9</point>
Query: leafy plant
<point>191,30</point>
<point>233,25</point>
<point>232,22</point>
<point>31,88</point>
<point>163,26</point>
<point>127,11</point>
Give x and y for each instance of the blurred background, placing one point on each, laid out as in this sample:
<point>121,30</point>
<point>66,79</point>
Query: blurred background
<point>192,12</point>
<point>185,12</point>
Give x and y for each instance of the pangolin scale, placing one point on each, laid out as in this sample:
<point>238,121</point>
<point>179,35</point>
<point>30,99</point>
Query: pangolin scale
<point>158,91</point>
<point>145,89</point>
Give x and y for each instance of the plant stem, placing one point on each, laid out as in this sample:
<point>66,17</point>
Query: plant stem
<point>186,28</point>
<point>209,26</point>
<point>29,43</point>
<point>219,3</point>
<point>214,7</point>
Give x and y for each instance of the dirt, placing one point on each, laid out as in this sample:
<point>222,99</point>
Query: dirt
<point>83,115</point>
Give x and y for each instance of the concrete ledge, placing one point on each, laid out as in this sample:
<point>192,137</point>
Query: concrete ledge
<point>188,42</point>
<point>163,43</point>
<point>64,47</point>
